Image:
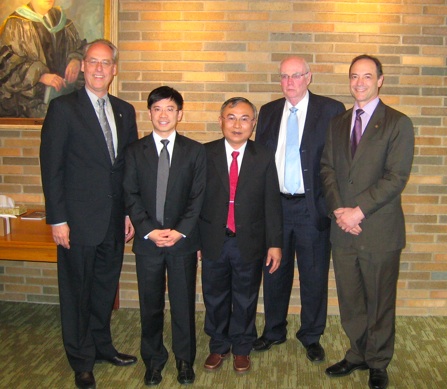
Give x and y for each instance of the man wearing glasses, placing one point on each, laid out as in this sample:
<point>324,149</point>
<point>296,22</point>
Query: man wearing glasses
<point>241,229</point>
<point>82,161</point>
<point>164,184</point>
<point>294,127</point>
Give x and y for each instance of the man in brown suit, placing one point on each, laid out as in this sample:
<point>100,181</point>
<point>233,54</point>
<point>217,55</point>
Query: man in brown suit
<point>363,183</point>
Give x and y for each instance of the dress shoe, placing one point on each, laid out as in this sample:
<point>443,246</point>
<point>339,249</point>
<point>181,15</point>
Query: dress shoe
<point>315,352</point>
<point>119,359</point>
<point>85,380</point>
<point>344,367</point>
<point>241,363</point>
<point>264,344</point>
<point>214,361</point>
<point>185,372</point>
<point>152,377</point>
<point>378,379</point>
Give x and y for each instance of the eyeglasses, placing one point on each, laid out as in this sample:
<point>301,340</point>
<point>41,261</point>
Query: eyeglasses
<point>244,120</point>
<point>294,76</point>
<point>94,62</point>
<point>159,110</point>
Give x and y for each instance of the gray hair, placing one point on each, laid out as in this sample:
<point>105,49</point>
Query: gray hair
<point>235,101</point>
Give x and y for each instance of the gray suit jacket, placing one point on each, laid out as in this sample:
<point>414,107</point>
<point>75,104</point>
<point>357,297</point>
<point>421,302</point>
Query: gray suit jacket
<point>373,180</point>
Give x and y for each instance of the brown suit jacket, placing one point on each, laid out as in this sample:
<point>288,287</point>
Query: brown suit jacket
<point>373,180</point>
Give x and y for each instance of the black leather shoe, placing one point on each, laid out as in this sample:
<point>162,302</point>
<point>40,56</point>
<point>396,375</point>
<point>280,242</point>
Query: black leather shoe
<point>378,379</point>
<point>152,377</point>
<point>344,367</point>
<point>185,372</point>
<point>264,344</point>
<point>85,380</point>
<point>119,359</point>
<point>315,352</point>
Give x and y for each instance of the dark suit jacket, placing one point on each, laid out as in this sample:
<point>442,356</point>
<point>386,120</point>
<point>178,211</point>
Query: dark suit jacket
<point>319,112</point>
<point>79,182</point>
<point>258,213</point>
<point>184,196</point>
<point>373,180</point>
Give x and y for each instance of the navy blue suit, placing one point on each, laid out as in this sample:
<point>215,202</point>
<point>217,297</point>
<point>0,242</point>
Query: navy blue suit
<point>83,188</point>
<point>232,266</point>
<point>305,226</point>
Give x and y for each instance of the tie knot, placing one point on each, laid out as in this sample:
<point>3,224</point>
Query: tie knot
<point>101,103</point>
<point>165,142</point>
<point>293,109</point>
<point>359,112</point>
<point>235,154</point>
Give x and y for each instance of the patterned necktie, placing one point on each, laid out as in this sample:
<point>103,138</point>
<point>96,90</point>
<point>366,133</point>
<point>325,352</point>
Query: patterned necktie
<point>234,173</point>
<point>162,180</point>
<point>106,129</point>
<point>357,131</point>
<point>292,169</point>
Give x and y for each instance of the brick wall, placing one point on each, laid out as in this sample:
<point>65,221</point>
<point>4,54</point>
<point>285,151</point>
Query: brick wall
<point>213,50</point>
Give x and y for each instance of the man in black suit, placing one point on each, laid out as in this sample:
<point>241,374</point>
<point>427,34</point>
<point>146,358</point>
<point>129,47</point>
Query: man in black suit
<point>306,225</point>
<point>167,236</point>
<point>240,227</point>
<point>363,185</point>
<point>82,174</point>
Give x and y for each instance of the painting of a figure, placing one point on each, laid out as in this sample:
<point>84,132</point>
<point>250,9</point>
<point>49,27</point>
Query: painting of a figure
<point>41,46</point>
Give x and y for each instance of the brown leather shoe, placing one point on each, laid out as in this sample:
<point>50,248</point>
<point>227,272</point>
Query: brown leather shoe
<point>214,361</point>
<point>241,363</point>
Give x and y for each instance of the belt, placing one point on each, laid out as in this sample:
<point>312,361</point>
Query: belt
<point>230,233</point>
<point>288,196</point>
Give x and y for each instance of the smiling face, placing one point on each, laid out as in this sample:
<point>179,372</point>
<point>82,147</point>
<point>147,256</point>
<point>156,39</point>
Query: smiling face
<point>164,115</point>
<point>364,81</point>
<point>237,123</point>
<point>98,75</point>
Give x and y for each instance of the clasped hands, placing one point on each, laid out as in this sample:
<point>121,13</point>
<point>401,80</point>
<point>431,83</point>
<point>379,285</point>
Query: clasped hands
<point>349,219</point>
<point>165,238</point>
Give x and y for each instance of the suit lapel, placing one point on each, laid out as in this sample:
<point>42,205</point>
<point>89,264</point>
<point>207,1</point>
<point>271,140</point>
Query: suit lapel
<point>179,156</point>
<point>150,152</point>
<point>248,165</point>
<point>219,160</point>
<point>372,130</point>
<point>345,135</point>
<point>273,124</point>
<point>313,112</point>
<point>118,123</point>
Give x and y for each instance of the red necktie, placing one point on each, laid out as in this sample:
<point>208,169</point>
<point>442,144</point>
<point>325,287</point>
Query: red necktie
<point>233,184</point>
<point>357,131</point>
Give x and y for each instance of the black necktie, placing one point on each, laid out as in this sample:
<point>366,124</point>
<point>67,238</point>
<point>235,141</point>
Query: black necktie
<point>162,180</point>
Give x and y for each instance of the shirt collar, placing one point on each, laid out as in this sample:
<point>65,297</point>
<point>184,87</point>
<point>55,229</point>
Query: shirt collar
<point>368,108</point>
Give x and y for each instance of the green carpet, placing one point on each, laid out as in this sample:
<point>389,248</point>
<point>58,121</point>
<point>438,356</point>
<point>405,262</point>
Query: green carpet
<point>32,356</point>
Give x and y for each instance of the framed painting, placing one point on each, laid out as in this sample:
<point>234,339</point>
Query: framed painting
<point>40,51</point>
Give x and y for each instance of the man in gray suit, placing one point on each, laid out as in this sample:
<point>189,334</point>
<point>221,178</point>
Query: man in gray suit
<point>366,163</point>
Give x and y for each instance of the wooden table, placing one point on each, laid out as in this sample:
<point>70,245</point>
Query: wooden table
<point>29,240</point>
